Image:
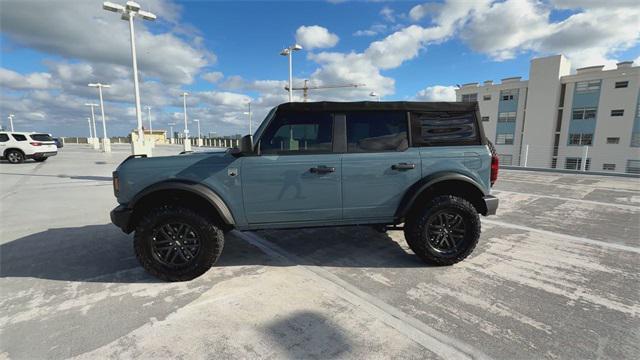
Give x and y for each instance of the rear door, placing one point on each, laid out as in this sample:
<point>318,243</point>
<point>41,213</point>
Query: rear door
<point>378,166</point>
<point>296,179</point>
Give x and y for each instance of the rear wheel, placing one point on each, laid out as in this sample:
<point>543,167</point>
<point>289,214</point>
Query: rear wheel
<point>445,231</point>
<point>177,244</point>
<point>14,156</point>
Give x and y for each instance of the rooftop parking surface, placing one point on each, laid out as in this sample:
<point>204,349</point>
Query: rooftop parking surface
<point>555,275</point>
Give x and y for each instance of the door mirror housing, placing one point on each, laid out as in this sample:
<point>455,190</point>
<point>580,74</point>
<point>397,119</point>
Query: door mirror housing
<point>246,145</point>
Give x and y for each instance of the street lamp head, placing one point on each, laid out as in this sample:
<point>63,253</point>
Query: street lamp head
<point>147,15</point>
<point>132,6</point>
<point>109,6</point>
<point>373,93</point>
<point>296,47</point>
<point>285,52</point>
<point>184,94</point>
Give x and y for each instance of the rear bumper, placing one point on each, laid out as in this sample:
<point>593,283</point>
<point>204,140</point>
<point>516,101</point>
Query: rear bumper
<point>491,203</point>
<point>121,217</point>
<point>39,155</point>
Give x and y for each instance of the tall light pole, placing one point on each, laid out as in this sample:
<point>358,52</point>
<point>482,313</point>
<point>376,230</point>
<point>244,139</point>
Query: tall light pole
<point>171,137</point>
<point>187,142</point>
<point>11,121</point>
<point>129,11</point>
<point>106,145</point>
<point>198,142</point>
<point>90,132</point>
<point>249,113</point>
<point>149,117</point>
<point>289,52</point>
<point>375,94</point>
<point>93,119</point>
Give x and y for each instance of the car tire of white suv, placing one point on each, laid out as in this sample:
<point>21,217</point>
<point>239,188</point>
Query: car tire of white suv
<point>14,156</point>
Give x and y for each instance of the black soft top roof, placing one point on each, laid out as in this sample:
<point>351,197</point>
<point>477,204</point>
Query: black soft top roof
<point>379,105</point>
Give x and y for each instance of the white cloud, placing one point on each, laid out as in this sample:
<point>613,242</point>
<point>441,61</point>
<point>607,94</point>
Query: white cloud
<point>101,37</point>
<point>373,30</point>
<point>437,93</point>
<point>388,14</point>
<point>213,77</point>
<point>12,80</point>
<point>315,37</point>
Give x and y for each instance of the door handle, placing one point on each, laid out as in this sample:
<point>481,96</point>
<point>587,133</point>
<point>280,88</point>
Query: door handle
<point>322,169</point>
<point>403,166</point>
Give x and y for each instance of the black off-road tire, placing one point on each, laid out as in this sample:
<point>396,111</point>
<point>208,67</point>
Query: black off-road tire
<point>42,159</point>
<point>422,242</point>
<point>211,242</point>
<point>14,156</point>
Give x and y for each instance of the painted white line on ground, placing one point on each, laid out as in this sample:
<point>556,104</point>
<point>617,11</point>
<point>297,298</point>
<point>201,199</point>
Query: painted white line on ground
<point>592,202</point>
<point>432,339</point>
<point>566,237</point>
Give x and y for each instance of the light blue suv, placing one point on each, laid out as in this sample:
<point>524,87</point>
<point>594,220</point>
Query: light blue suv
<point>424,167</point>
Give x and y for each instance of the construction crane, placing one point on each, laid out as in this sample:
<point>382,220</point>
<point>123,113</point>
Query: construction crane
<point>305,89</point>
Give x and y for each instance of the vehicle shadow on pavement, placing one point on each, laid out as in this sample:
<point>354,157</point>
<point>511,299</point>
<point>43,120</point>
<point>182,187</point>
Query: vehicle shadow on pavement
<point>102,253</point>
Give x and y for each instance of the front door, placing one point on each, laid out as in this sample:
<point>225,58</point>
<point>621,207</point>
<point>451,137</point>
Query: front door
<point>296,178</point>
<point>379,165</point>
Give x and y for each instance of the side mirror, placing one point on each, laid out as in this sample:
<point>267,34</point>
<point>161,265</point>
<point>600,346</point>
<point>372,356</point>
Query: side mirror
<point>246,144</point>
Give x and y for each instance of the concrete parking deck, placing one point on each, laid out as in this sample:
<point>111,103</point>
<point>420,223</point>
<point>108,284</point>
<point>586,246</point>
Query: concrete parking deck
<point>555,276</point>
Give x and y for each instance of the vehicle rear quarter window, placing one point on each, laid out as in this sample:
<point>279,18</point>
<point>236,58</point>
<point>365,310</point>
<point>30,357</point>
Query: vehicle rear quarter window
<point>298,132</point>
<point>4,137</point>
<point>376,131</point>
<point>41,137</point>
<point>19,137</point>
<point>444,129</point>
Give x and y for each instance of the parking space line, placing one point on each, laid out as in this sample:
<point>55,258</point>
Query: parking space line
<point>430,338</point>
<point>591,202</point>
<point>607,188</point>
<point>583,240</point>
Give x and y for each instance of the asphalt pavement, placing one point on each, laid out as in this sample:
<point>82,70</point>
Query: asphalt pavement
<point>555,275</point>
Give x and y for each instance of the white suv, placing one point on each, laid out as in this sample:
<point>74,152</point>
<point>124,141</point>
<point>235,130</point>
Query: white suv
<point>18,146</point>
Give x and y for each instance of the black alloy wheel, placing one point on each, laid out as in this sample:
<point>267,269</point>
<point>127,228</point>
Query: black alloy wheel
<point>175,244</point>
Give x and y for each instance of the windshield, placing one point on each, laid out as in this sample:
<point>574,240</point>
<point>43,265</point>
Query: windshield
<point>41,137</point>
<point>264,123</point>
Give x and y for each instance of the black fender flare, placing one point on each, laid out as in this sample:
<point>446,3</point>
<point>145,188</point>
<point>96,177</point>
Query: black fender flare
<point>412,194</point>
<point>195,188</point>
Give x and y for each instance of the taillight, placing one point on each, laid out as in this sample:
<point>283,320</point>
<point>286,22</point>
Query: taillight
<point>35,143</point>
<point>116,183</point>
<point>495,162</point>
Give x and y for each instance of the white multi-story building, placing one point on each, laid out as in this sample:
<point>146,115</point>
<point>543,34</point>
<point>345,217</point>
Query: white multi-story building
<point>556,119</point>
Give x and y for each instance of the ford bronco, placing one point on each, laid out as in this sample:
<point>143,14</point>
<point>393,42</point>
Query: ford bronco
<point>424,167</point>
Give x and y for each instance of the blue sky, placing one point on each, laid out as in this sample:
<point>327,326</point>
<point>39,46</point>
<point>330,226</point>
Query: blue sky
<point>227,53</point>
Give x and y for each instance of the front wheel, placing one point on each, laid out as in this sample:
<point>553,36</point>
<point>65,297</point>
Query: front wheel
<point>15,156</point>
<point>445,231</point>
<point>176,243</point>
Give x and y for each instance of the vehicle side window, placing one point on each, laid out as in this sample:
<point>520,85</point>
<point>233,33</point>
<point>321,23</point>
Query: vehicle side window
<point>19,137</point>
<point>4,137</point>
<point>298,132</point>
<point>444,129</point>
<point>376,131</point>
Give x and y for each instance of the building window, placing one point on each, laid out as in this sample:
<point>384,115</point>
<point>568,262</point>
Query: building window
<point>619,112</point>
<point>505,159</point>
<point>584,113</point>
<point>633,166</point>
<point>469,97</point>
<point>575,163</point>
<point>635,139</point>
<point>621,84</point>
<point>580,139</point>
<point>613,140</point>
<point>609,167</point>
<point>485,118</point>
<point>508,95</point>
<point>507,117</point>
<point>588,86</point>
<point>486,97</point>
<point>504,139</point>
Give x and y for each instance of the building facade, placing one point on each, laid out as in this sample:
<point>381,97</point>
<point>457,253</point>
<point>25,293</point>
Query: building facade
<point>589,120</point>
